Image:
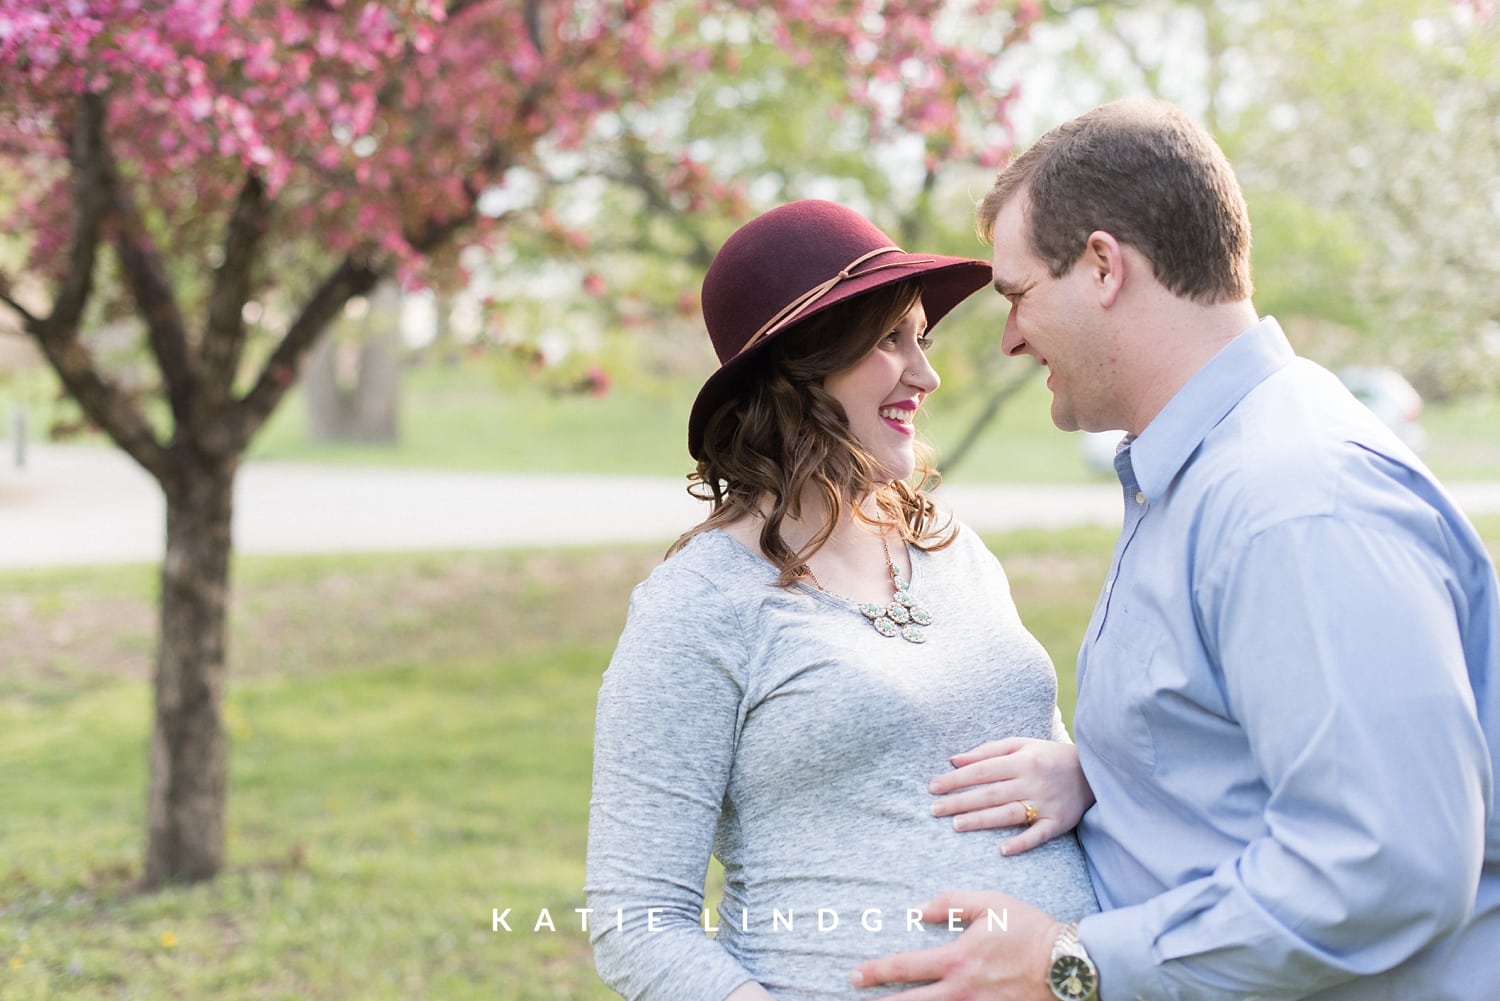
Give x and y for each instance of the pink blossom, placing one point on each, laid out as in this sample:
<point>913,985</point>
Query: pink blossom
<point>369,120</point>
<point>596,381</point>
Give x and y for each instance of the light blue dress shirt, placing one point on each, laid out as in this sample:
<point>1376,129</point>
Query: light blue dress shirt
<point>1289,706</point>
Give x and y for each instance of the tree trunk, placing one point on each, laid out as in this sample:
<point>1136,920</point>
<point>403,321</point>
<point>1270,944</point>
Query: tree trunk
<point>189,757</point>
<point>352,384</point>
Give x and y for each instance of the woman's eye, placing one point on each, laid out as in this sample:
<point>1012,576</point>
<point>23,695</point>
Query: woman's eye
<point>924,342</point>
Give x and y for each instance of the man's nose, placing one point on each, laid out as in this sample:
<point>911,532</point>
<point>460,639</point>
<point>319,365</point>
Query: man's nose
<point>1011,341</point>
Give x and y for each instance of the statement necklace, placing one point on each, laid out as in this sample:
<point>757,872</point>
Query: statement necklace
<point>902,616</point>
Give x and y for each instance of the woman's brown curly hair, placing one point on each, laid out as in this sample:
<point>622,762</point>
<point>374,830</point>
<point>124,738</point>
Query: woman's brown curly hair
<point>785,435</point>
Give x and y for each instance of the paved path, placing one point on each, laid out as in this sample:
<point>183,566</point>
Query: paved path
<point>88,505</point>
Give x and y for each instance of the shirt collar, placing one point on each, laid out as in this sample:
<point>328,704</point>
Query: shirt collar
<point>1159,452</point>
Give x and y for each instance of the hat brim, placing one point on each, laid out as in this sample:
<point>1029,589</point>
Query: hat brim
<point>946,282</point>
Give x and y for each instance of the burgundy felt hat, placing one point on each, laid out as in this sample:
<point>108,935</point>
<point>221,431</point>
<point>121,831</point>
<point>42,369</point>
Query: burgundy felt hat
<point>790,264</point>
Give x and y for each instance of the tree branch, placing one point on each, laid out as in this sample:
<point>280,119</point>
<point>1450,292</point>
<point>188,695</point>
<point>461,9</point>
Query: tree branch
<point>349,279</point>
<point>91,204</point>
<point>436,232</point>
<point>457,7</point>
<point>57,334</point>
<point>642,178</point>
<point>147,280</point>
<point>26,317</point>
<point>224,337</point>
<point>998,399</point>
<point>532,15</point>
<point>913,223</point>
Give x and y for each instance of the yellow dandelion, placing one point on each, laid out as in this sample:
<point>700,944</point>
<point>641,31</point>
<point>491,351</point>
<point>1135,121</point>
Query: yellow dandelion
<point>168,940</point>
<point>16,962</point>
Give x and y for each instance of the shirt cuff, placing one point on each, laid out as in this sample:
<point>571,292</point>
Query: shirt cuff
<point>1123,951</point>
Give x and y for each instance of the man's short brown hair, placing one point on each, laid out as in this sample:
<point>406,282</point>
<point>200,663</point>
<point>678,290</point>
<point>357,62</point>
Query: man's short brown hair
<point>1147,174</point>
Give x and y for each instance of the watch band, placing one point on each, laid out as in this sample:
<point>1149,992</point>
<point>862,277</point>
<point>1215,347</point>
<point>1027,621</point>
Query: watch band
<point>1072,975</point>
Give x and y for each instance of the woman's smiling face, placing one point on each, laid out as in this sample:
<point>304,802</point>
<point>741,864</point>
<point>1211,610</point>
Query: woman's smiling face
<point>882,392</point>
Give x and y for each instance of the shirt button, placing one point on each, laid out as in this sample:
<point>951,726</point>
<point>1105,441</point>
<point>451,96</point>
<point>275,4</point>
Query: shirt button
<point>1140,498</point>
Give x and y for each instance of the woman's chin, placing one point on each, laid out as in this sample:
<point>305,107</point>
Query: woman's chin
<point>893,472</point>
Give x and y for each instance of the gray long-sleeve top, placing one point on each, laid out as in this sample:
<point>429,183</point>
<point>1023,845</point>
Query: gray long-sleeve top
<point>776,729</point>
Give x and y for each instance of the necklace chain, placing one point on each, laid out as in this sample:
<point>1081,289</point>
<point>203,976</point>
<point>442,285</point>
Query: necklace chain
<point>901,616</point>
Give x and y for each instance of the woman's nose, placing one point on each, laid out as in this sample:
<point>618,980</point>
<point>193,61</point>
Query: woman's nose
<point>922,375</point>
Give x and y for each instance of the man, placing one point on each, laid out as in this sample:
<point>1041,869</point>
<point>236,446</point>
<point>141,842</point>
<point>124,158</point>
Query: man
<point>1289,693</point>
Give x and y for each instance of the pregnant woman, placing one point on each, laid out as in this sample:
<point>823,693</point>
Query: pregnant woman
<point>807,657</point>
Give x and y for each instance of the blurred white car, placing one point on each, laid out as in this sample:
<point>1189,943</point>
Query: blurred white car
<point>1386,391</point>
<point>1382,389</point>
<point>1098,450</point>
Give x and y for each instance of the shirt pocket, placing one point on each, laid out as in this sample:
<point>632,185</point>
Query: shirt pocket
<point>1116,703</point>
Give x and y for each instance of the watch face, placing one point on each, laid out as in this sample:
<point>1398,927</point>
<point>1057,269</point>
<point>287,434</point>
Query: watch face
<point>1071,979</point>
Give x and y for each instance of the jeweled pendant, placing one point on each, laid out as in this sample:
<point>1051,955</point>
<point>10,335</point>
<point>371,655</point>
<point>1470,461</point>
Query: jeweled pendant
<point>901,616</point>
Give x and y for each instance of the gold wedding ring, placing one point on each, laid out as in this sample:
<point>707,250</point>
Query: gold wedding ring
<point>1031,813</point>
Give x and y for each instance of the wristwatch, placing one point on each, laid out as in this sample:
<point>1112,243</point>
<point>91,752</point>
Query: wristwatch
<point>1072,976</point>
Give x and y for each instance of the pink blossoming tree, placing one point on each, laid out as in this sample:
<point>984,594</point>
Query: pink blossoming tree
<point>223,176</point>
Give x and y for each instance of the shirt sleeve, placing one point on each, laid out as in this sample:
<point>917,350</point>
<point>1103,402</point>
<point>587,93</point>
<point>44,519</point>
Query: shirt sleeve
<point>665,731</point>
<point>1352,692</point>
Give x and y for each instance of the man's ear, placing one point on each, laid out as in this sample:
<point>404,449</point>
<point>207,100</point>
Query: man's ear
<point>1105,260</point>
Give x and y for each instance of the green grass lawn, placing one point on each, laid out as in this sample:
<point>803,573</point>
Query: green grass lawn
<point>410,751</point>
<point>377,818</point>
<point>463,417</point>
<point>411,741</point>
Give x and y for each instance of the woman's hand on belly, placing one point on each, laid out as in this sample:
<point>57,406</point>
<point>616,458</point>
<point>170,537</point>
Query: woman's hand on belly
<point>992,785</point>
